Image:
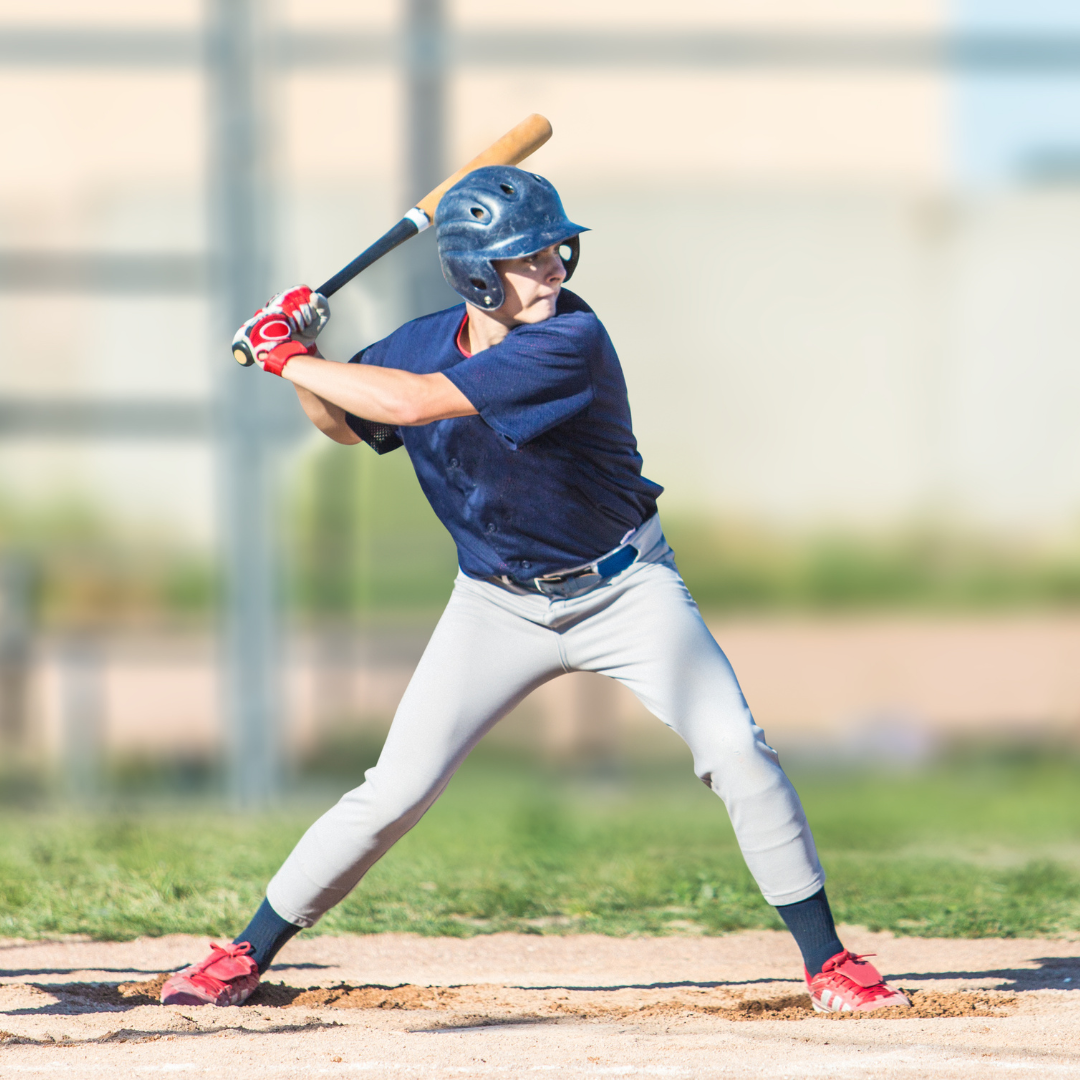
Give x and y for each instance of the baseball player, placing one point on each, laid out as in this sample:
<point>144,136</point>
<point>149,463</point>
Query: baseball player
<point>513,409</point>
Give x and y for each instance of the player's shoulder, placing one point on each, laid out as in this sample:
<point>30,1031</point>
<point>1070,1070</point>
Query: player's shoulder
<point>436,325</point>
<point>420,333</point>
<point>569,303</point>
<point>574,327</point>
<point>573,318</point>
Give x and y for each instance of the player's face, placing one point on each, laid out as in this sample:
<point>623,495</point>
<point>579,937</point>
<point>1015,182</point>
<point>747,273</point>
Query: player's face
<point>532,286</point>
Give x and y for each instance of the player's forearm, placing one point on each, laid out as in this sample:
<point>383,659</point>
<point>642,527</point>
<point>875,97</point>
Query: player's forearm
<point>384,395</point>
<point>327,417</point>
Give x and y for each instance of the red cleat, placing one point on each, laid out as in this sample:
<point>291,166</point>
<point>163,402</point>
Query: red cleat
<point>848,984</point>
<point>228,976</point>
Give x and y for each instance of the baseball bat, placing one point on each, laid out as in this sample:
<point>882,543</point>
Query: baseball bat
<point>516,145</point>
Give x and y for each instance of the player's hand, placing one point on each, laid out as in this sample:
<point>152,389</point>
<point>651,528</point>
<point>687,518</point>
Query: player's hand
<point>295,315</point>
<point>309,311</point>
<point>268,339</point>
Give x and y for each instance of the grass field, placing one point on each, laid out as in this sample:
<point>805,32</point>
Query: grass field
<point>974,847</point>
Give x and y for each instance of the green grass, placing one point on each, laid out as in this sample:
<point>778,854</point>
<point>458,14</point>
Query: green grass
<point>972,848</point>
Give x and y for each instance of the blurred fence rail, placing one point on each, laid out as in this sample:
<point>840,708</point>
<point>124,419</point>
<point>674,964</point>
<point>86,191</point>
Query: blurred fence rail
<point>56,418</point>
<point>178,274</point>
<point>706,48</point>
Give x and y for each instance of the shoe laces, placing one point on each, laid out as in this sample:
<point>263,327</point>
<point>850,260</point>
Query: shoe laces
<point>862,993</point>
<point>233,951</point>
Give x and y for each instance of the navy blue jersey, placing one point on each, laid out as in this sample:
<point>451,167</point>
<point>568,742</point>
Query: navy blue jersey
<point>548,475</point>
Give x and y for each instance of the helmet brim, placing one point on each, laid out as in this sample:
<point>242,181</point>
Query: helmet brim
<point>514,249</point>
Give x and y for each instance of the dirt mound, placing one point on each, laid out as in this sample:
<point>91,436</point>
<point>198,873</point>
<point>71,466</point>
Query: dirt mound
<point>927,1004</point>
<point>378,997</point>
<point>786,1007</point>
<point>278,995</point>
<point>495,1002</point>
<point>124,995</point>
<point>797,1007</point>
<point>142,993</point>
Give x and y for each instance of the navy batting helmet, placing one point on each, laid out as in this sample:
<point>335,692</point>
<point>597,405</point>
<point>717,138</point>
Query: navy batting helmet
<point>498,212</point>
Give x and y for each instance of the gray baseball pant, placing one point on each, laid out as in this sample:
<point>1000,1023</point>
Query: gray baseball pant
<point>493,647</point>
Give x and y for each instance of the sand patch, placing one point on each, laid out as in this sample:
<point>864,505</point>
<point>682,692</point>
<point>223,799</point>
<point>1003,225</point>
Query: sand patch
<point>582,1005</point>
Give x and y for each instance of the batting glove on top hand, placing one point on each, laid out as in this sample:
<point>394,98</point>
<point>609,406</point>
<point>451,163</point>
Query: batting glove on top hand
<point>309,311</point>
<point>286,327</point>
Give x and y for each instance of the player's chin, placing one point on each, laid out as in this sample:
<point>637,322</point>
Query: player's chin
<point>543,307</point>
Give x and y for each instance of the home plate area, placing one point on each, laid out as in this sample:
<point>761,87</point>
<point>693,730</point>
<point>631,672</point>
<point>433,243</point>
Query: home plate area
<point>398,1005</point>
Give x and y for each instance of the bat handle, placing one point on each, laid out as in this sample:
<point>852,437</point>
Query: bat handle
<point>408,226</point>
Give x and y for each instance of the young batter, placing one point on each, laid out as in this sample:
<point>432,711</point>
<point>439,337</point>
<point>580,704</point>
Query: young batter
<point>513,410</point>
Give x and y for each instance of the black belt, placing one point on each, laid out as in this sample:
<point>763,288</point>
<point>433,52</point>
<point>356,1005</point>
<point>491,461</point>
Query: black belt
<point>567,583</point>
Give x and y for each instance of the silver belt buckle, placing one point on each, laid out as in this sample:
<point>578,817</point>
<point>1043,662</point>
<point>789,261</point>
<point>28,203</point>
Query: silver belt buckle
<point>568,584</point>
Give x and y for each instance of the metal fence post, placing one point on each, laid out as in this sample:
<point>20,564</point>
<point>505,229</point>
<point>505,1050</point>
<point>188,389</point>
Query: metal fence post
<point>17,626</point>
<point>82,708</point>
<point>425,144</point>
<point>240,222</point>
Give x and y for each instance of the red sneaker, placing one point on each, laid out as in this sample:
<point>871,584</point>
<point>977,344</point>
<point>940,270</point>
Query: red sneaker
<point>228,976</point>
<point>848,984</point>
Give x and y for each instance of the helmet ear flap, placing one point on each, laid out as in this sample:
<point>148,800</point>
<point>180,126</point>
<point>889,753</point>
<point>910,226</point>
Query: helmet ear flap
<point>473,278</point>
<point>570,252</point>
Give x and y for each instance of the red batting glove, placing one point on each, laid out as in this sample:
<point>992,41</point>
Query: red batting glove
<point>308,311</point>
<point>280,355</point>
<point>291,318</point>
<point>267,339</point>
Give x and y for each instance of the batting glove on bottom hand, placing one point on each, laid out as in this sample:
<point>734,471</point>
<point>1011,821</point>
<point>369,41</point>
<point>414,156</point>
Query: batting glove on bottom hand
<point>287,326</point>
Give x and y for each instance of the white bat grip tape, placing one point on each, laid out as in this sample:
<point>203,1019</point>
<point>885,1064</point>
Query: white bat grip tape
<point>418,218</point>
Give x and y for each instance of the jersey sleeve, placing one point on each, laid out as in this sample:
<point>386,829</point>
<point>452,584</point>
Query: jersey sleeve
<point>382,438</point>
<point>536,378</point>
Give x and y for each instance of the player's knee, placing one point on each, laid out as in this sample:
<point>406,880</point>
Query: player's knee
<point>723,752</point>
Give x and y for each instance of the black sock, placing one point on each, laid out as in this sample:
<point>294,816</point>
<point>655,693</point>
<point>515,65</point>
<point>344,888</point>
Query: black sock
<point>810,923</point>
<point>267,933</point>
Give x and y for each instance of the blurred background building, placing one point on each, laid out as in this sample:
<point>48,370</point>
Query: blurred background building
<point>836,245</point>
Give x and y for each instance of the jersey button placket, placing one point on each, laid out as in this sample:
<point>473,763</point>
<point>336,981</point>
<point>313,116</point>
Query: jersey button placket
<point>491,527</point>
